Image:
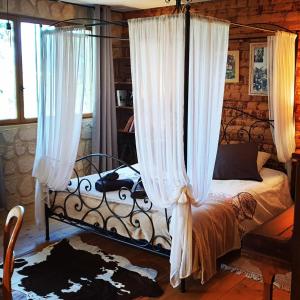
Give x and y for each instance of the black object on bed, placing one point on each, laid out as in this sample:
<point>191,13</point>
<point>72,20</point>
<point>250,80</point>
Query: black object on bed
<point>110,182</point>
<point>138,191</point>
<point>237,161</point>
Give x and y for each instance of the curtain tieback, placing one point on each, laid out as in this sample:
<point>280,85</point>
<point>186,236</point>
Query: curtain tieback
<point>185,196</point>
<point>181,232</point>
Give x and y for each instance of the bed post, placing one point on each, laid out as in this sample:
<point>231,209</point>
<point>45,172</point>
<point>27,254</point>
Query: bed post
<point>182,286</point>
<point>47,223</point>
<point>186,94</point>
<point>186,78</point>
<point>295,188</point>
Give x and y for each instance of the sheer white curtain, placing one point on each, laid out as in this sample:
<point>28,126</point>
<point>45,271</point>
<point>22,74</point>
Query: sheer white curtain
<point>63,73</point>
<point>281,68</point>
<point>208,56</point>
<point>157,64</point>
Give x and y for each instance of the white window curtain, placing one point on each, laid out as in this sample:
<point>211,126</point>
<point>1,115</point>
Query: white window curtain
<point>157,65</point>
<point>208,56</point>
<point>63,73</point>
<point>281,68</point>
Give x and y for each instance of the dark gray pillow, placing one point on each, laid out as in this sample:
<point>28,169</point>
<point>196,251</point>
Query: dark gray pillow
<point>237,161</point>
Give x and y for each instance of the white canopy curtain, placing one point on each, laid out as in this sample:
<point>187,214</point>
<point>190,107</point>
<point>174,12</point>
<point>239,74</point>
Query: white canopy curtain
<point>63,73</point>
<point>281,68</point>
<point>157,65</point>
<point>208,56</point>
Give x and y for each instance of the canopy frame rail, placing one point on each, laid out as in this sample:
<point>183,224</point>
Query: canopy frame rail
<point>98,22</point>
<point>258,26</point>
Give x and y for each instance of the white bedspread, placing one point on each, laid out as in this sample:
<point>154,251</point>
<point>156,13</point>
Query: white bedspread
<point>233,208</point>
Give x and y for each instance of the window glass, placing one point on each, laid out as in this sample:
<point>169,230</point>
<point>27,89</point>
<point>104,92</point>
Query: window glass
<point>30,53</point>
<point>30,38</point>
<point>8,99</point>
<point>89,80</point>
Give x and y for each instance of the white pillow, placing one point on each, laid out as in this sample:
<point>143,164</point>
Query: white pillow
<point>262,158</point>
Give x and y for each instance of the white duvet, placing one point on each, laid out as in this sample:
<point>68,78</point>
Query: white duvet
<point>233,208</point>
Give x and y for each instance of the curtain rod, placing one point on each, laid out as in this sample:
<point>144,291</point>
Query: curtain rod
<point>236,24</point>
<point>99,22</point>
<point>76,4</point>
<point>108,37</point>
<point>252,27</point>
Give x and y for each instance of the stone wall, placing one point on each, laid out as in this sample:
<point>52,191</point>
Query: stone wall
<point>17,151</point>
<point>45,9</point>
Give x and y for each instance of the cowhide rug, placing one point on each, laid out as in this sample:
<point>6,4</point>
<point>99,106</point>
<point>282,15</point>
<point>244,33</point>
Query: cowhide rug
<point>72,269</point>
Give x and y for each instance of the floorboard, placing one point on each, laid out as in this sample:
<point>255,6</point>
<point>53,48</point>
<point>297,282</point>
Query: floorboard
<point>224,286</point>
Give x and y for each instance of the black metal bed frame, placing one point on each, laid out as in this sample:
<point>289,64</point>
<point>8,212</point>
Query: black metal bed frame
<point>243,132</point>
<point>140,207</point>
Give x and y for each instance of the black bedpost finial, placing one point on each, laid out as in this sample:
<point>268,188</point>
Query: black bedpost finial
<point>178,4</point>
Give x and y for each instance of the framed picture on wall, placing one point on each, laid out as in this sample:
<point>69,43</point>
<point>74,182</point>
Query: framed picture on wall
<point>232,67</point>
<point>258,69</point>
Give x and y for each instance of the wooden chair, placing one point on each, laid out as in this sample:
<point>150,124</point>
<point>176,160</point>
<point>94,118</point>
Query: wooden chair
<point>12,228</point>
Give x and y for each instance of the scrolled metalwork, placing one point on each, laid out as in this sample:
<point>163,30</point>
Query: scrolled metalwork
<point>102,216</point>
<point>238,126</point>
<point>106,216</point>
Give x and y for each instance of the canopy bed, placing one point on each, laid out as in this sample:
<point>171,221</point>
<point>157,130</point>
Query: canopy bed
<point>131,217</point>
<point>181,117</point>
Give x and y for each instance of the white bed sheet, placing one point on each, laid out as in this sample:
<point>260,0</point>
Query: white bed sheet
<point>272,195</point>
<point>233,208</point>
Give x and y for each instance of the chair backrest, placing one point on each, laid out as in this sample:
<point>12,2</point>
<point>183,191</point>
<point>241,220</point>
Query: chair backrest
<point>12,228</point>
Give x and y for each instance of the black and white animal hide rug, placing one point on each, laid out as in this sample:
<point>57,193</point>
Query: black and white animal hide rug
<point>74,270</point>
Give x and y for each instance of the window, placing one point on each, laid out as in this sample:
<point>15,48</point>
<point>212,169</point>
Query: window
<point>19,72</point>
<point>7,73</point>
<point>30,49</point>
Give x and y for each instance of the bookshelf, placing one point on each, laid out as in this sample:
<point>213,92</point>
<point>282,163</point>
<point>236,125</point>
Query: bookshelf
<point>124,112</point>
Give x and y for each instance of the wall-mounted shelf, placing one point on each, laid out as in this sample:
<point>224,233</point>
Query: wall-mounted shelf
<point>123,85</point>
<point>124,107</point>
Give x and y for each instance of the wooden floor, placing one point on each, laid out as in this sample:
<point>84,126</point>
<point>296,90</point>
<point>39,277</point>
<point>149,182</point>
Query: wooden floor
<point>224,285</point>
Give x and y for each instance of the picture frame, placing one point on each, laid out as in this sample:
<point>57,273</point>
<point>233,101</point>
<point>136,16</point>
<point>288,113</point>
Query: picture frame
<point>258,69</point>
<point>121,97</point>
<point>233,67</point>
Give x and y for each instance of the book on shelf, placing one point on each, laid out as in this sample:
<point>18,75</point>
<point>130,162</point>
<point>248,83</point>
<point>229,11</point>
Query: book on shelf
<point>131,129</point>
<point>129,125</point>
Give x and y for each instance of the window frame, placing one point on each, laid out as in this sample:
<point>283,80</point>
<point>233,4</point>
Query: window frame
<point>17,20</point>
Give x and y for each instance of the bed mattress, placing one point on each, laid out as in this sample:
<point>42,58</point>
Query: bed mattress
<point>232,208</point>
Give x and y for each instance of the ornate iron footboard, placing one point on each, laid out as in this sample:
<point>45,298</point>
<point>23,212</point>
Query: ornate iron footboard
<point>137,211</point>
